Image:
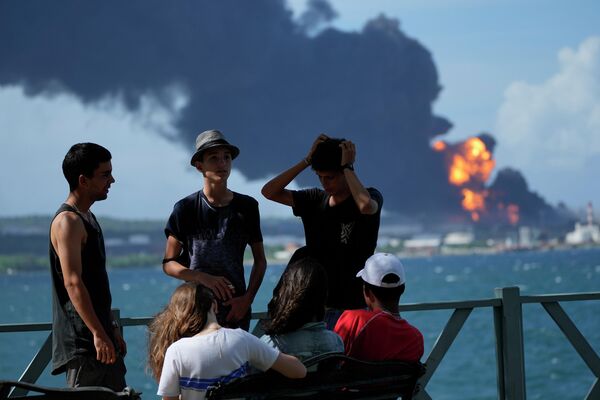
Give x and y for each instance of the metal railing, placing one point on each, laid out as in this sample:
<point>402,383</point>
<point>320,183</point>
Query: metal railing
<point>508,329</point>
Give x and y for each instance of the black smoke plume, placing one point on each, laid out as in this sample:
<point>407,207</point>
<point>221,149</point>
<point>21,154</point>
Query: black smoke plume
<point>269,82</point>
<point>510,187</point>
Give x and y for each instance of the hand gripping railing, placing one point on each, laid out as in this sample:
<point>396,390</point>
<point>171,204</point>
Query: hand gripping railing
<point>508,326</point>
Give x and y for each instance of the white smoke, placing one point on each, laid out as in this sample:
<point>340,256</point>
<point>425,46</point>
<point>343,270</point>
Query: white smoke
<point>551,131</point>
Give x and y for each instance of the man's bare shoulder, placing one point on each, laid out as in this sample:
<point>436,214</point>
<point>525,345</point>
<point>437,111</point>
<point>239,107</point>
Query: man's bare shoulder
<point>67,224</point>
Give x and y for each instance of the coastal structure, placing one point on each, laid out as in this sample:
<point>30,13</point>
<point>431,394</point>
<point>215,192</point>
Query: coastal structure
<point>584,233</point>
<point>423,244</point>
<point>459,238</point>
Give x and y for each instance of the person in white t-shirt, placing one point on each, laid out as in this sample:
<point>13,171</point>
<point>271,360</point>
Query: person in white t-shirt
<point>189,351</point>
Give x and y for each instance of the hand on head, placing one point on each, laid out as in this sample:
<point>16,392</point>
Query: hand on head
<point>348,152</point>
<point>321,138</point>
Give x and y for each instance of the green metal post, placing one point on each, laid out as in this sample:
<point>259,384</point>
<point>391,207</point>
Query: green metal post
<point>498,329</point>
<point>512,343</point>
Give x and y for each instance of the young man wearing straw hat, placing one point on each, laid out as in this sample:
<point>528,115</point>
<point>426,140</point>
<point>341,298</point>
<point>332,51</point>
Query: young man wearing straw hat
<point>208,231</point>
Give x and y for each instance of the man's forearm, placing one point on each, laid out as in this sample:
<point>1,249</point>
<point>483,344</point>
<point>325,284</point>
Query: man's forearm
<point>281,181</point>
<point>256,277</point>
<point>80,298</point>
<point>178,271</point>
<point>361,196</point>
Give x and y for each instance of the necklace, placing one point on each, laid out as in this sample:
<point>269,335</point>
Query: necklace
<point>87,216</point>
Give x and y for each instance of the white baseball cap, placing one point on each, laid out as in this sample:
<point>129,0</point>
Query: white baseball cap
<point>379,265</point>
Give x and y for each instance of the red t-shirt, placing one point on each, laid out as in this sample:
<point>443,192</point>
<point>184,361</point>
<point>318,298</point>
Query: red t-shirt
<point>378,335</point>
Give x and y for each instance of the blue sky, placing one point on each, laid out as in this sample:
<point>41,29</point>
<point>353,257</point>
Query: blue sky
<point>527,72</point>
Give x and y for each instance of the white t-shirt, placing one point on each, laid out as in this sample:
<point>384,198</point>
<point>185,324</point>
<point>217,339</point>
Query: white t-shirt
<point>196,363</point>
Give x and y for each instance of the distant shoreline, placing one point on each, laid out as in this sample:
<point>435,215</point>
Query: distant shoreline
<point>11,264</point>
<point>21,262</point>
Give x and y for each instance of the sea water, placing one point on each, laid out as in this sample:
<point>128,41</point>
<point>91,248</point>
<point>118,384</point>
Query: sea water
<point>468,371</point>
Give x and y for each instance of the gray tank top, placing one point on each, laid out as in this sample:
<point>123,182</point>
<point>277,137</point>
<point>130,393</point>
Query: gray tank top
<point>70,335</point>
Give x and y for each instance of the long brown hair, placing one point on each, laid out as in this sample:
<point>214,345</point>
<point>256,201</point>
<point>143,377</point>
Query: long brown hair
<point>184,316</point>
<point>298,298</point>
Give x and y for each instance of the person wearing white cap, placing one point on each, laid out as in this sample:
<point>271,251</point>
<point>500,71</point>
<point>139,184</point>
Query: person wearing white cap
<point>379,333</point>
<point>209,230</point>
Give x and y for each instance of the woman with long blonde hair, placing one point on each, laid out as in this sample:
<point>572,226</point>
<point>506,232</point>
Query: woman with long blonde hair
<point>189,351</point>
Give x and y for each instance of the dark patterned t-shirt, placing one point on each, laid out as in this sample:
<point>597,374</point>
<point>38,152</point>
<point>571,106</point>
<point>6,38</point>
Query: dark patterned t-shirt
<point>214,238</point>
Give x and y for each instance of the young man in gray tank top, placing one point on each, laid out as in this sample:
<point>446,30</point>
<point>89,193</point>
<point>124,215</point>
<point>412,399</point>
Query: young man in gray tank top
<point>86,342</point>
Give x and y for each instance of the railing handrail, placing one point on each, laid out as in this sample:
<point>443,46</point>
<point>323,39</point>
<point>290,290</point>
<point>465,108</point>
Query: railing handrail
<point>561,297</point>
<point>508,322</point>
<point>26,327</point>
<point>436,305</point>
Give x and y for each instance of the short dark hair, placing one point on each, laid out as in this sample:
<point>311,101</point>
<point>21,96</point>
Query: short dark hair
<point>384,294</point>
<point>298,298</point>
<point>83,159</point>
<point>328,155</point>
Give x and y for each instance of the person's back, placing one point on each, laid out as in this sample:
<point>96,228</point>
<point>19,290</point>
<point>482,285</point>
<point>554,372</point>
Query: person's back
<point>379,333</point>
<point>194,364</point>
<point>311,339</point>
<point>188,351</point>
<point>297,310</point>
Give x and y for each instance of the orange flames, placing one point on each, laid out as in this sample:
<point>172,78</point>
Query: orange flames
<point>439,146</point>
<point>473,202</point>
<point>472,161</point>
<point>513,213</point>
<point>470,165</point>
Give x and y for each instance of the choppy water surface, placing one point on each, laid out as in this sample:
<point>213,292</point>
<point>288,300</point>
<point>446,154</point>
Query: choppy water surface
<point>553,368</point>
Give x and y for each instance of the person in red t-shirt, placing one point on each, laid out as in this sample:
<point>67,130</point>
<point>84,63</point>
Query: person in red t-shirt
<point>379,333</point>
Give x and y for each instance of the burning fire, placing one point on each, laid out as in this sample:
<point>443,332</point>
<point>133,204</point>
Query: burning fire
<point>473,202</point>
<point>513,213</point>
<point>439,146</point>
<point>470,165</point>
<point>472,161</point>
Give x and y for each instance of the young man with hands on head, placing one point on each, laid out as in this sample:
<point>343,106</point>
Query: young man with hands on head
<point>341,220</point>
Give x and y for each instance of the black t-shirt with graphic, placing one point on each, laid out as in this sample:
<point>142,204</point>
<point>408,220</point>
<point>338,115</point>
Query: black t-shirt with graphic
<point>341,238</point>
<point>214,238</point>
